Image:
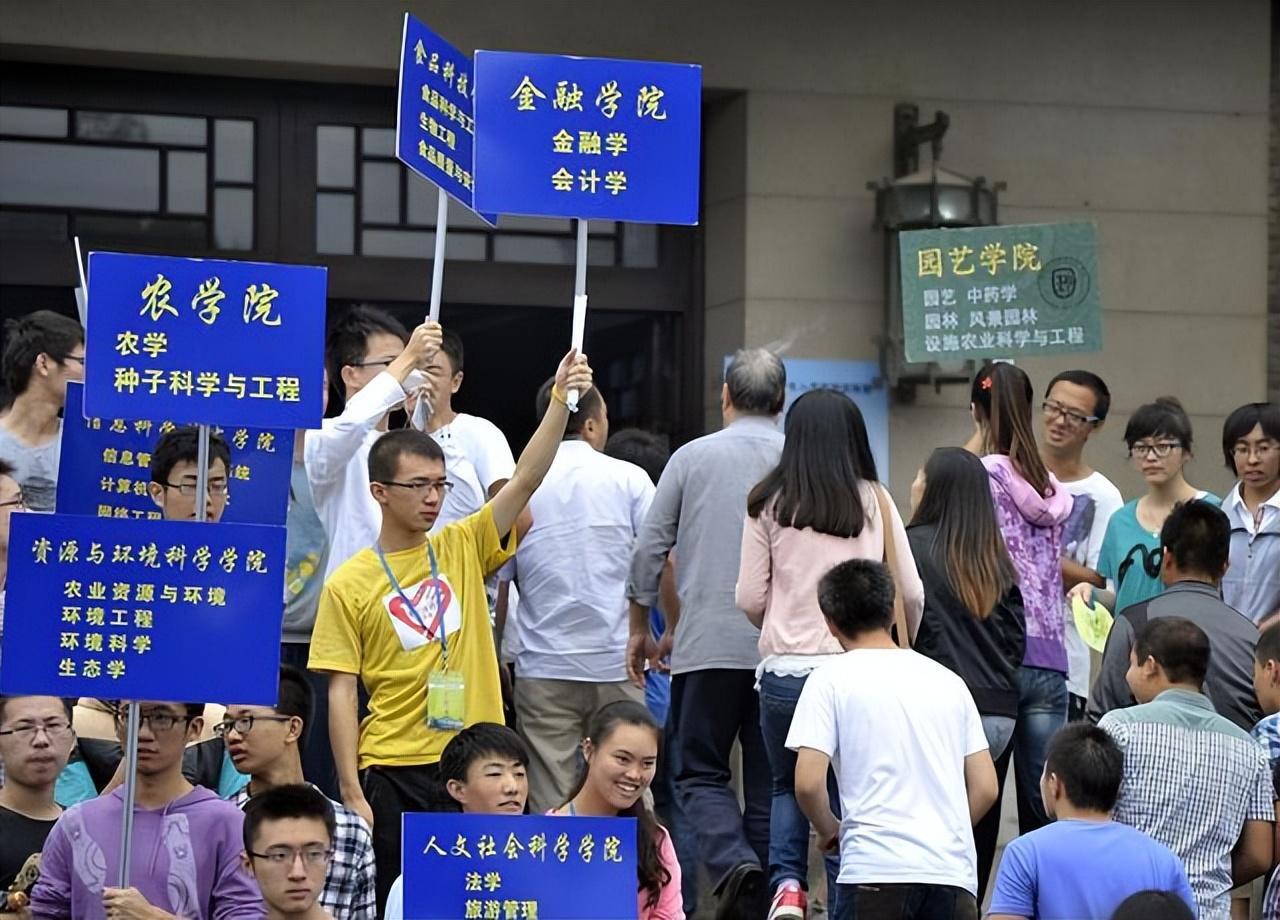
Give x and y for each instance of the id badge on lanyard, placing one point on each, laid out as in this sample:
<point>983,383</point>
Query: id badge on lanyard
<point>446,690</point>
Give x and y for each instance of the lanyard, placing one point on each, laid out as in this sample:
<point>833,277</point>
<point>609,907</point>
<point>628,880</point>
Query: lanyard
<point>438,621</point>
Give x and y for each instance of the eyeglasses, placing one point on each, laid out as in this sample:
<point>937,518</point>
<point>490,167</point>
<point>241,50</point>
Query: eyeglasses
<point>376,362</point>
<point>280,857</point>
<point>54,729</point>
<point>244,724</point>
<point>1263,449</point>
<point>216,489</point>
<point>422,487</point>
<point>77,358</point>
<point>1070,416</point>
<point>161,722</point>
<point>18,502</point>
<point>1158,449</point>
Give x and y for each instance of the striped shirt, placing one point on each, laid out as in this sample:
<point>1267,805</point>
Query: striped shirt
<point>1191,781</point>
<point>349,892</point>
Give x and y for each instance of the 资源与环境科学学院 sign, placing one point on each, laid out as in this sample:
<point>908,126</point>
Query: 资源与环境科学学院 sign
<point>143,610</point>
<point>1000,292</point>
<point>560,136</point>
<point>570,868</point>
<point>434,122</point>
<point>208,341</point>
<point>107,464</point>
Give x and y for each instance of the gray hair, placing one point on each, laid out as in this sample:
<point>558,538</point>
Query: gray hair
<point>757,382</point>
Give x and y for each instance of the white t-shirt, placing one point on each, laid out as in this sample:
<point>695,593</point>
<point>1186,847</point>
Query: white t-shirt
<point>1096,499</point>
<point>476,455</point>
<point>897,727</point>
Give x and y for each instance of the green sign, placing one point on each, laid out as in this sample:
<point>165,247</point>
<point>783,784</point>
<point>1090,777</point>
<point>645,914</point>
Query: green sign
<point>1000,292</point>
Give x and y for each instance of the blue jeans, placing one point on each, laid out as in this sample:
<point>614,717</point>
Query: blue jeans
<point>1042,710</point>
<point>788,826</point>
<point>999,731</point>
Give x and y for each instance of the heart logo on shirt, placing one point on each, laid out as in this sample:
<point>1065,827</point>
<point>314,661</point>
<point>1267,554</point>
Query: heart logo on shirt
<point>424,601</point>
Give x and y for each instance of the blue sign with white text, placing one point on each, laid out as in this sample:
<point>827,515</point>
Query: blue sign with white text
<point>208,341</point>
<point>143,610</point>
<point>560,136</point>
<point>434,123</point>
<point>112,462</point>
<point>542,866</point>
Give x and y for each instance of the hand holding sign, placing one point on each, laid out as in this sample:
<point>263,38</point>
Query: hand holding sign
<point>573,374</point>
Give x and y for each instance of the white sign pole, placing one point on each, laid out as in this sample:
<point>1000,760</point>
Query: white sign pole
<point>82,292</point>
<point>579,303</point>
<point>130,791</point>
<point>437,263</point>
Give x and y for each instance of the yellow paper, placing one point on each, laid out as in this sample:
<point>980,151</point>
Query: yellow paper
<point>1093,624</point>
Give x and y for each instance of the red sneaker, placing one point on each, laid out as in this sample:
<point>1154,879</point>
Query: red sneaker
<point>789,903</point>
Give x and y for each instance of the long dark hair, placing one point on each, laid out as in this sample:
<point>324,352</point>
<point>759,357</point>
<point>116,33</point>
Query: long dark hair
<point>652,875</point>
<point>825,457</point>
<point>1002,395</point>
<point>967,545</point>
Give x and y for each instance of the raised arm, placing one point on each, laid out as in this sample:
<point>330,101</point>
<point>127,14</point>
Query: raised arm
<point>573,374</point>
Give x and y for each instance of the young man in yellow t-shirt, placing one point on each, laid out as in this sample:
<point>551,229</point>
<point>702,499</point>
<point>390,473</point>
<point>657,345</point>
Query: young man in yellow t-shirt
<point>409,618</point>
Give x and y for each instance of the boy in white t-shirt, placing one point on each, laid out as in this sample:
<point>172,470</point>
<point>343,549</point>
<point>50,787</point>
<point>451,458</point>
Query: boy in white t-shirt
<point>910,759</point>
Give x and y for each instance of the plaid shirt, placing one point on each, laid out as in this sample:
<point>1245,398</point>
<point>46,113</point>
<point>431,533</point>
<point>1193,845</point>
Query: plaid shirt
<point>349,892</point>
<point>1191,781</point>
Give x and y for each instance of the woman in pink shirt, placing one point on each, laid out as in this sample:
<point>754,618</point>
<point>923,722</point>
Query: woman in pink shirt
<point>621,754</point>
<point>817,508</point>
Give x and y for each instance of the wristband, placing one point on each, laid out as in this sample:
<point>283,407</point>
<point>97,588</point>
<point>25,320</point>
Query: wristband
<point>558,396</point>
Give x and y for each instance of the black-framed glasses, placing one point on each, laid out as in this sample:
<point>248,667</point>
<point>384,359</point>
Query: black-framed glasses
<point>1158,449</point>
<point>375,362</point>
<point>244,724</point>
<point>18,502</point>
<point>280,857</point>
<point>79,359</point>
<point>1073,418</point>
<point>54,729</point>
<point>1263,449</point>
<point>216,488</point>
<point>422,487</point>
<point>161,722</point>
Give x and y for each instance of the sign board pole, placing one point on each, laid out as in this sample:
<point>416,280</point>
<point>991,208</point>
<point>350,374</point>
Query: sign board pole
<point>437,263</point>
<point>579,303</point>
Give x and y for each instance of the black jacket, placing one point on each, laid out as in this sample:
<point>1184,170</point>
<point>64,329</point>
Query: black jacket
<point>985,653</point>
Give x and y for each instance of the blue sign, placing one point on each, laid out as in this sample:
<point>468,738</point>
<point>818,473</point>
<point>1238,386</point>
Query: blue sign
<point>207,341</point>
<point>564,136</point>
<point>108,464</point>
<point>434,123</point>
<point>548,867</point>
<point>143,610</point>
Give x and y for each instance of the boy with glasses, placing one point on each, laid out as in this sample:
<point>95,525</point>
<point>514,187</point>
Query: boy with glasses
<point>1251,448</point>
<point>42,351</point>
<point>174,469</point>
<point>289,834</point>
<point>186,841</point>
<point>35,743</point>
<point>264,742</point>
<point>1075,408</point>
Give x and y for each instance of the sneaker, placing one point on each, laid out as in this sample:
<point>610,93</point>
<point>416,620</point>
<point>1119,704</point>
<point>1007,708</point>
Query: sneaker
<point>789,903</point>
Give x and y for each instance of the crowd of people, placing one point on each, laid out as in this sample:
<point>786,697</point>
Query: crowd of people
<point>743,645</point>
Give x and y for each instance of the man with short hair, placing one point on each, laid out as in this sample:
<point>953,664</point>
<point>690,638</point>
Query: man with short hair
<point>42,351</point>
<point>1193,780</point>
<point>1075,409</point>
<point>289,834</point>
<point>1196,539</point>
<point>191,838</point>
<point>264,743</point>
<point>910,758</point>
<point>410,614</point>
<point>35,744</point>
<point>1084,864</point>
<point>1251,448</point>
<point>571,570</point>
<point>369,357</point>
<point>175,475</point>
<point>713,646</point>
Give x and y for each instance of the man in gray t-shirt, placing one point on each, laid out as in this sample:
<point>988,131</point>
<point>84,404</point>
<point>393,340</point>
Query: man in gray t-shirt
<point>42,351</point>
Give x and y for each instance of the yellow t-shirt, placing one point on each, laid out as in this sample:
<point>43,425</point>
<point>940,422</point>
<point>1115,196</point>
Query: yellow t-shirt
<point>363,627</point>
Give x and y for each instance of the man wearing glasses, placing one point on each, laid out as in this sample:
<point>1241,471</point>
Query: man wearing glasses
<point>1075,408</point>
<point>289,835</point>
<point>35,744</point>
<point>42,351</point>
<point>174,467</point>
<point>186,841</point>
<point>409,618</point>
<point>264,743</point>
<point>1251,448</point>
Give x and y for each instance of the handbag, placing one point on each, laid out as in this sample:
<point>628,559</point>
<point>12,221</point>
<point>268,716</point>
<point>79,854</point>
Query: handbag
<point>903,636</point>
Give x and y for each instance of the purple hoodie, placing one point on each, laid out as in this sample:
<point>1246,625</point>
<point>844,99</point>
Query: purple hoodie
<point>186,859</point>
<point>1032,528</point>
